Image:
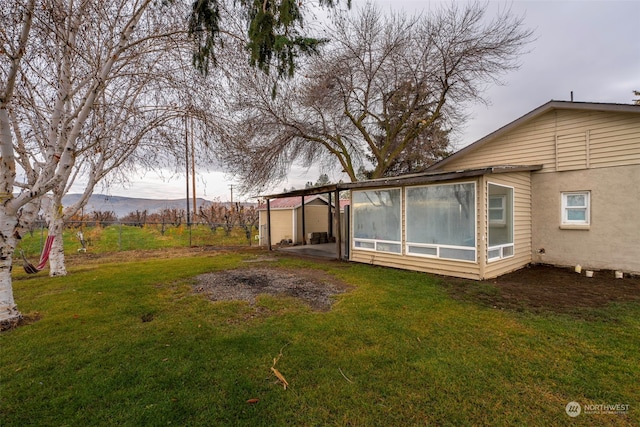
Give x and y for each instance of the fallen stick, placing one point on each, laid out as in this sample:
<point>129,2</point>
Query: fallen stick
<point>282,379</point>
<point>345,377</point>
<point>277,373</point>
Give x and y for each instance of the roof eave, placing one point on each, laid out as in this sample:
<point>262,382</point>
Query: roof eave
<point>440,176</point>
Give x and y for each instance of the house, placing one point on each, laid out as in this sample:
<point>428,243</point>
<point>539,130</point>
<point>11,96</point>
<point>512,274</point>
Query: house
<point>290,223</point>
<point>560,185</point>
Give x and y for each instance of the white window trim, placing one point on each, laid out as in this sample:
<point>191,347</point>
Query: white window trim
<point>565,222</point>
<point>375,244</point>
<point>501,248</point>
<point>513,225</point>
<point>374,241</point>
<point>438,246</point>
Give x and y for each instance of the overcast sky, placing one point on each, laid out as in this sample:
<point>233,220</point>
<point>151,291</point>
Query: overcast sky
<point>589,47</point>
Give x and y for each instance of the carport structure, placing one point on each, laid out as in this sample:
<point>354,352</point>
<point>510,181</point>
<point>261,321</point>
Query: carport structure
<point>331,192</point>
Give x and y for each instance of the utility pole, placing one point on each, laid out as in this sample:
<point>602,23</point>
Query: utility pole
<point>186,161</point>
<point>193,170</point>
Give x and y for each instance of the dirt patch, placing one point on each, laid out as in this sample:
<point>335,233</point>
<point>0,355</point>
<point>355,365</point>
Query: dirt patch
<point>314,287</point>
<point>24,320</point>
<point>547,288</point>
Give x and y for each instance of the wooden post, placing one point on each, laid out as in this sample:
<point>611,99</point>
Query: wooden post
<point>330,230</point>
<point>304,230</point>
<point>269,225</point>
<point>336,216</point>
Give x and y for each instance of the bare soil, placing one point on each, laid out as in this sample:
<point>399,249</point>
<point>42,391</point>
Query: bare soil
<point>546,288</point>
<point>314,287</point>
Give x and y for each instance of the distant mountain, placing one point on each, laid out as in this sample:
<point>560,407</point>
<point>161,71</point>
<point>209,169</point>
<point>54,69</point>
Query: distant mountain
<point>124,205</point>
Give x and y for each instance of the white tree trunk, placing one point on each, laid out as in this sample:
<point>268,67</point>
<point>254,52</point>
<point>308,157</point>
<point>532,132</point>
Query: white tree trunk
<point>8,310</point>
<point>56,257</point>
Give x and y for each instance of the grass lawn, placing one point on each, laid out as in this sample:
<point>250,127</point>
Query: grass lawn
<point>119,237</point>
<point>395,350</point>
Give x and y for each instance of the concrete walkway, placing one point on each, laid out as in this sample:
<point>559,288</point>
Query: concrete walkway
<point>323,250</point>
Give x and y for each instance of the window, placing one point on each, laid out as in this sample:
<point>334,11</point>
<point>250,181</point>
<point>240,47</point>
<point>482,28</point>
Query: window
<point>500,214</point>
<point>441,221</point>
<point>497,209</point>
<point>575,208</point>
<point>376,220</point>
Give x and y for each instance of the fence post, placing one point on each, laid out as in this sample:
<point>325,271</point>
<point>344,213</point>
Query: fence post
<point>41,237</point>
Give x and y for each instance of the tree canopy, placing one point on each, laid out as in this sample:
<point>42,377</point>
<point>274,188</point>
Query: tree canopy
<point>382,98</point>
<point>274,32</point>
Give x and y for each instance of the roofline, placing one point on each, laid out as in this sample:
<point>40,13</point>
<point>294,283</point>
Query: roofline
<point>424,178</point>
<point>304,192</point>
<point>413,179</point>
<point>545,108</point>
<point>263,206</point>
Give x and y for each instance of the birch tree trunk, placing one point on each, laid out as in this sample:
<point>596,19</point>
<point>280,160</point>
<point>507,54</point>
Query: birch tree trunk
<point>56,228</point>
<point>9,314</point>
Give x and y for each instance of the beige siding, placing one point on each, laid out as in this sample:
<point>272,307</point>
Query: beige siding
<point>571,151</point>
<point>287,224</point>
<point>612,240</point>
<point>580,150</point>
<point>281,226</point>
<point>467,270</point>
<point>521,183</point>
<point>316,219</point>
<point>562,140</point>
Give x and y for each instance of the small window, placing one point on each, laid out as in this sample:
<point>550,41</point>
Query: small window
<point>500,213</point>
<point>497,206</point>
<point>575,208</point>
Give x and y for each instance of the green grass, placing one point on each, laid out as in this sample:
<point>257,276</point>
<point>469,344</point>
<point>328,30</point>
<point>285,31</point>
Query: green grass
<point>394,350</point>
<point>119,237</point>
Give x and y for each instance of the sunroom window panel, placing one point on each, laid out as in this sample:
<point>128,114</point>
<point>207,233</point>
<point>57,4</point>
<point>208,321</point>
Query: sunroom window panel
<point>457,253</point>
<point>507,251</point>
<point>441,215</point>
<point>500,232</point>
<point>440,221</point>
<point>423,250</point>
<point>364,245</point>
<point>497,209</point>
<point>376,219</point>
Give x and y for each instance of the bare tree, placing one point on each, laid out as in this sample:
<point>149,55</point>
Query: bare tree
<point>75,51</point>
<point>137,218</point>
<point>138,121</point>
<point>104,218</point>
<point>381,99</point>
<point>248,218</point>
<point>219,215</point>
